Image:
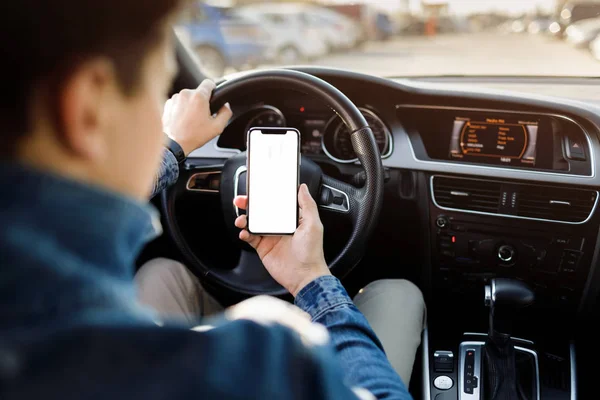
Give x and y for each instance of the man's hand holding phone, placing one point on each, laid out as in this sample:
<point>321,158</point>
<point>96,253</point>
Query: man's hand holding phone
<point>292,260</point>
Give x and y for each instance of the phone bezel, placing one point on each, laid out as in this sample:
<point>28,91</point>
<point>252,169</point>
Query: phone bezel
<point>271,131</point>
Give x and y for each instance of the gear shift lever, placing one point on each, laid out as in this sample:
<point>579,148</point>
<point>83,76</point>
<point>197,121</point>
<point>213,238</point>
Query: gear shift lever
<point>504,297</point>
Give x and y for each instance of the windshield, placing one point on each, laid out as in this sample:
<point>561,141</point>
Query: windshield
<point>397,38</point>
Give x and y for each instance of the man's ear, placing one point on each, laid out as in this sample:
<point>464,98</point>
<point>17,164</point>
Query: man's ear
<point>83,109</point>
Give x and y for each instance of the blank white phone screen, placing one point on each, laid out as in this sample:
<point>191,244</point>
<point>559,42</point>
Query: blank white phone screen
<point>273,182</point>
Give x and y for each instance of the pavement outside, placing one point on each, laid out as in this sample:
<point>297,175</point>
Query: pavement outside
<point>467,54</point>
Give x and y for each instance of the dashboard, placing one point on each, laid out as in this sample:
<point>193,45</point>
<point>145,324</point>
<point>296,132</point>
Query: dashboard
<point>323,133</point>
<point>487,170</point>
<point>423,126</point>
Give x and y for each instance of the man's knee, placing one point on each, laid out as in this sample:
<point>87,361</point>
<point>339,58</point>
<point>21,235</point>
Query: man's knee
<point>395,309</point>
<point>401,286</point>
<point>391,291</point>
<point>169,288</point>
<point>161,270</point>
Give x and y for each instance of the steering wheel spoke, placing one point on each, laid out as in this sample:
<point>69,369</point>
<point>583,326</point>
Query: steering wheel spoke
<point>338,196</point>
<point>204,179</point>
<point>251,271</point>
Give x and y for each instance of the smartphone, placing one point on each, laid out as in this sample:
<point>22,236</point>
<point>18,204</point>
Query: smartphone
<point>273,165</point>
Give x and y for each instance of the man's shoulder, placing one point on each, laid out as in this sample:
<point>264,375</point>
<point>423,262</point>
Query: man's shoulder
<point>237,359</point>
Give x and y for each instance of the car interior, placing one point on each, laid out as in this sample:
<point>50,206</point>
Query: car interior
<point>501,237</point>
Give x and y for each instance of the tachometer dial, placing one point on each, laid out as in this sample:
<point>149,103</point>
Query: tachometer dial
<point>267,117</point>
<point>337,144</point>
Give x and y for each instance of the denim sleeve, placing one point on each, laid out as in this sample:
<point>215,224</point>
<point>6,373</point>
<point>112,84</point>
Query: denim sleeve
<point>167,173</point>
<point>359,350</point>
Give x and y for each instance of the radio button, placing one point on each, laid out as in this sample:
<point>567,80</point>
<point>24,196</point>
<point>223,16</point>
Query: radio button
<point>442,222</point>
<point>574,149</point>
<point>507,253</point>
<point>447,253</point>
<point>570,260</point>
<point>443,382</point>
<point>561,240</point>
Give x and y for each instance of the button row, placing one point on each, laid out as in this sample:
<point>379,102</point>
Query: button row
<point>570,260</point>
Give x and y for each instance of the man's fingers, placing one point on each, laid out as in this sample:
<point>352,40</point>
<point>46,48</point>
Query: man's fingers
<point>206,87</point>
<point>166,119</point>
<point>241,222</point>
<point>186,93</point>
<point>241,202</point>
<point>168,107</point>
<point>252,240</point>
<point>222,118</point>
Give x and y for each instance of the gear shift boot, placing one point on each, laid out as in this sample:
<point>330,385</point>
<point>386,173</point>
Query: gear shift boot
<point>510,372</point>
<point>496,369</point>
<point>527,375</point>
<point>508,376</point>
<point>477,382</point>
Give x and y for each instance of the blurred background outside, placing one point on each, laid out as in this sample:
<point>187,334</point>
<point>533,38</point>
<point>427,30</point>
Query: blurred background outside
<point>397,38</point>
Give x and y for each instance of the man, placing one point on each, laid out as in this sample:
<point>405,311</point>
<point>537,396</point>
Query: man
<point>81,142</point>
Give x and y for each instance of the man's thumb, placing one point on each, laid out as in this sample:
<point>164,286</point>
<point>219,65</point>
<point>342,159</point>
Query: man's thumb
<point>306,202</point>
<point>223,116</point>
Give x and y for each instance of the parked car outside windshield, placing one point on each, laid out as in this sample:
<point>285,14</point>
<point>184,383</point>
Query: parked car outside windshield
<point>530,38</point>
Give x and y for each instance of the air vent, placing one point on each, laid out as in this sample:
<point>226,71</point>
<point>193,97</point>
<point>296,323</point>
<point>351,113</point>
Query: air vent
<point>514,200</point>
<point>558,204</point>
<point>467,194</point>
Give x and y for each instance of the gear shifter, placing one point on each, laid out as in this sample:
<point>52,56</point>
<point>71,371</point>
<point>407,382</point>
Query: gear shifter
<point>505,297</point>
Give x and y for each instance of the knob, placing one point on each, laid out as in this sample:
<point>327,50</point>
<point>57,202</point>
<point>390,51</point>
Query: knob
<point>506,253</point>
<point>505,297</point>
<point>326,196</point>
<point>442,222</point>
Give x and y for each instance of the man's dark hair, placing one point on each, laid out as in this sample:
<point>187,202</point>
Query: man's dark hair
<point>44,41</point>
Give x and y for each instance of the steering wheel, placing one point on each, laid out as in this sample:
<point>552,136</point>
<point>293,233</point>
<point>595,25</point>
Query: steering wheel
<point>360,205</point>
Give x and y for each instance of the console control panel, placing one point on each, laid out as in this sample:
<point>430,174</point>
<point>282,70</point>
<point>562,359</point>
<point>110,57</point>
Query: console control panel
<point>469,251</point>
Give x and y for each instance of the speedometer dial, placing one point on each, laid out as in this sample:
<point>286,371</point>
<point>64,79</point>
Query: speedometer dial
<point>266,117</point>
<point>337,144</point>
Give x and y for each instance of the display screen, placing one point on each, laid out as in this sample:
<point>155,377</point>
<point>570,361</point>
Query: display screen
<point>502,138</point>
<point>494,139</point>
<point>312,134</point>
<point>273,180</point>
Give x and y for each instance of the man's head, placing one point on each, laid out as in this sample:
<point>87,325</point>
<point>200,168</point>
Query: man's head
<point>83,87</point>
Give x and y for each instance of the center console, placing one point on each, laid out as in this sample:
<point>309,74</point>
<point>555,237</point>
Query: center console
<point>538,234</point>
<point>541,237</point>
<point>496,365</point>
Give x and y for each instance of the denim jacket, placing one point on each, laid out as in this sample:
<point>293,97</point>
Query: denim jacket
<point>71,327</point>
<point>167,173</point>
